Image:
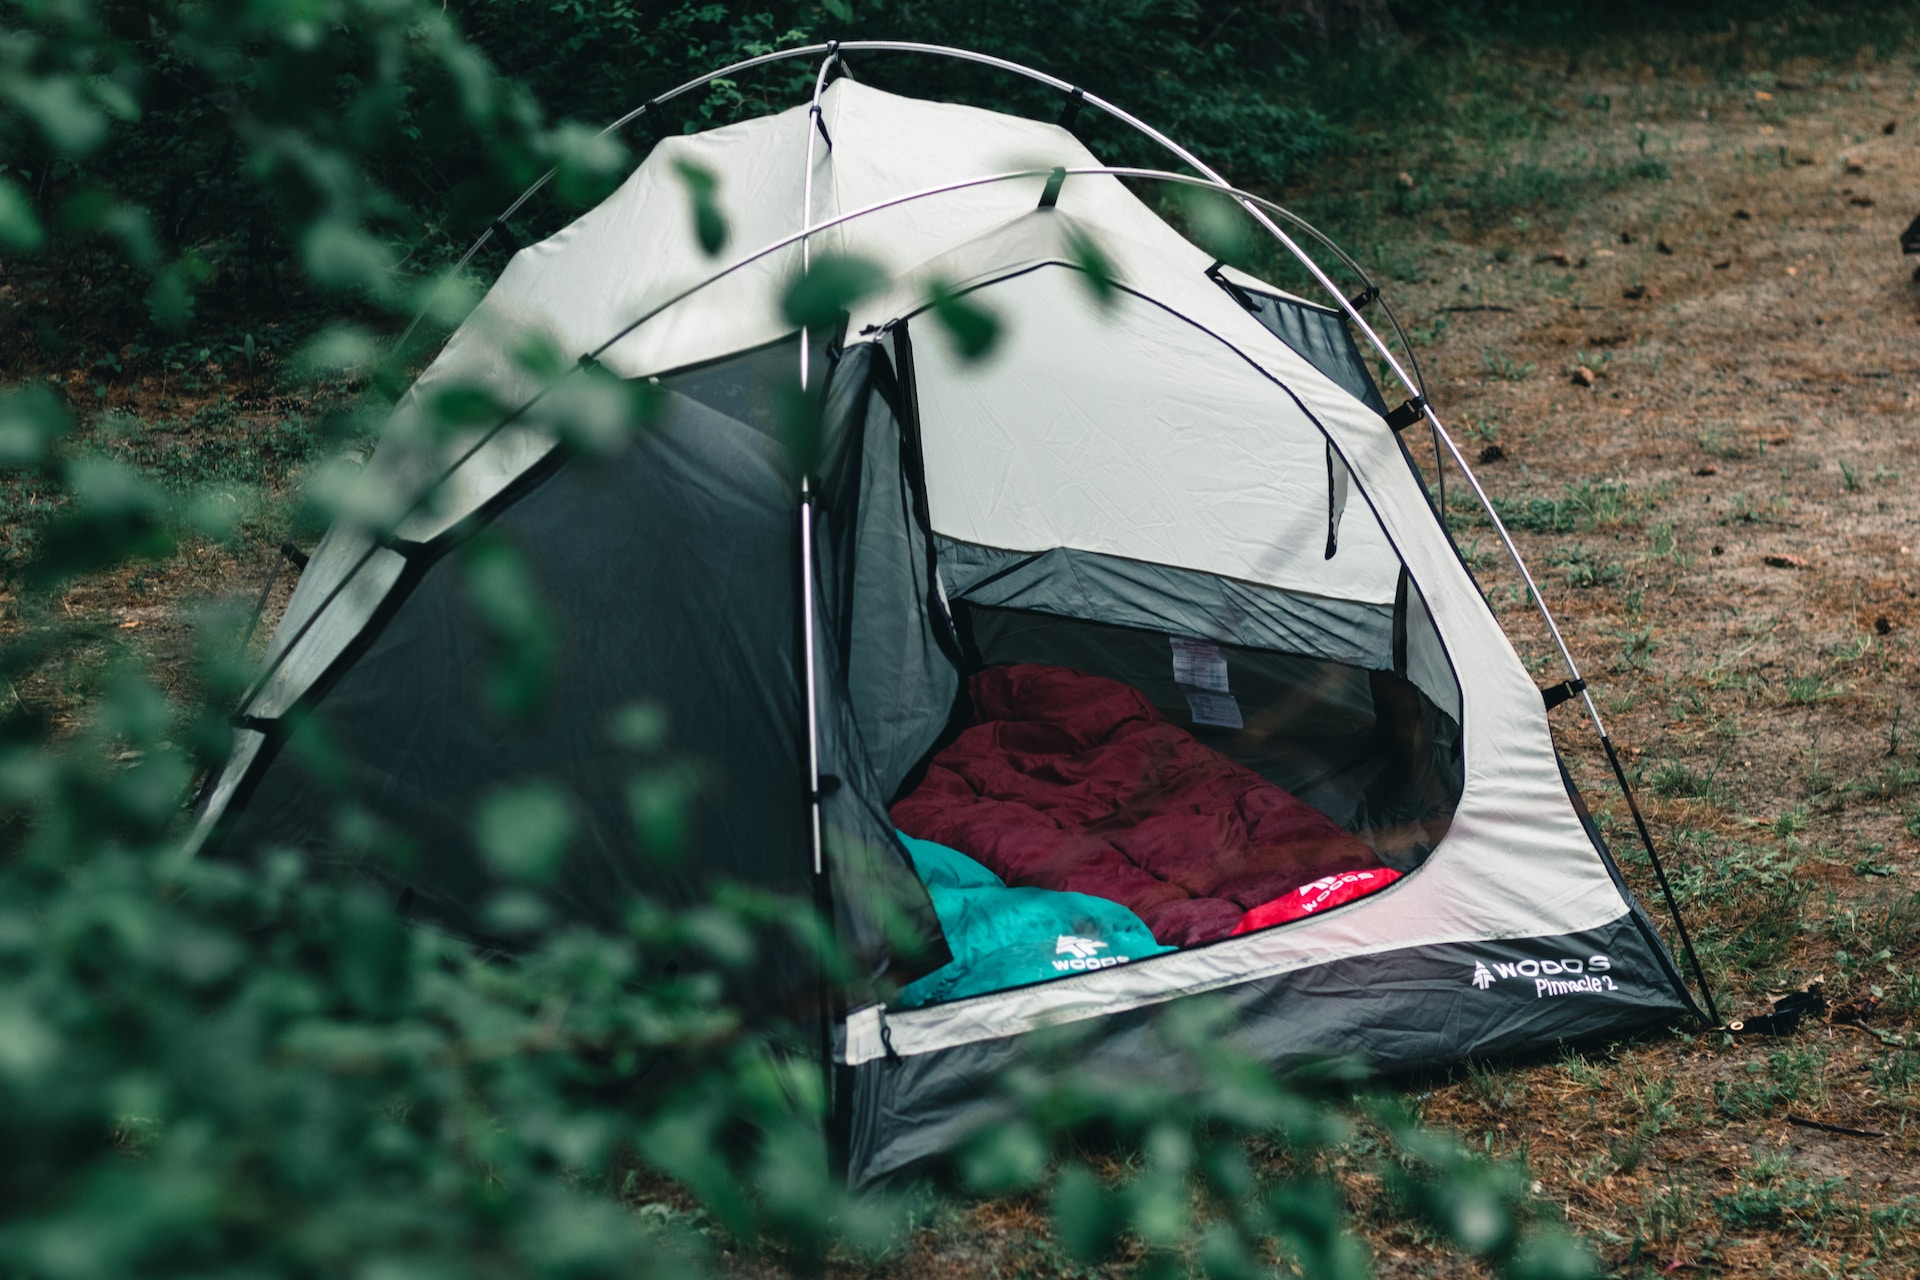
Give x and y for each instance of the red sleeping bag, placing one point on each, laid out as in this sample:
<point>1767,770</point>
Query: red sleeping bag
<point>1074,782</point>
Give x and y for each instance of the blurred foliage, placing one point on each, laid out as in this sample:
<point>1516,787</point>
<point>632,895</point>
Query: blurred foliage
<point>217,1069</point>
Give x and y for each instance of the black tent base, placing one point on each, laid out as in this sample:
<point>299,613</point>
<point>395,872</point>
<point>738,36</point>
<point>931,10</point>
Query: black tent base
<point>1394,1012</point>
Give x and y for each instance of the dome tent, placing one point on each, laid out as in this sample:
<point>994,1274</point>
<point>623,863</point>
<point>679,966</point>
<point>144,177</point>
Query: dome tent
<point>1191,498</point>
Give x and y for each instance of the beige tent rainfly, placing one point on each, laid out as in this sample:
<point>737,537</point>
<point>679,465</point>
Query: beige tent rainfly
<point>1126,663</point>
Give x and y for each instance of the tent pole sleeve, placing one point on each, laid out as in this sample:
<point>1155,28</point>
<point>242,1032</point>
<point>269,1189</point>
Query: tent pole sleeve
<point>806,191</point>
<point>1660,874</point>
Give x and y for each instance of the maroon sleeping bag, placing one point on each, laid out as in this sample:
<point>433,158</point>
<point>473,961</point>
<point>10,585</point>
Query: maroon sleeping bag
<point>1074,782</point>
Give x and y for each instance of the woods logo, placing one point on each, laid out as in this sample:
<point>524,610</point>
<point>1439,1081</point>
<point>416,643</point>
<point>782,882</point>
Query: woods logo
<point>1083,953</point>
<point>1560,977</point>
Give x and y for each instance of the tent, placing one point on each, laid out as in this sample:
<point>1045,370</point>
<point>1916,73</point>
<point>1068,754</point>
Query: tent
<point>1126,664</point>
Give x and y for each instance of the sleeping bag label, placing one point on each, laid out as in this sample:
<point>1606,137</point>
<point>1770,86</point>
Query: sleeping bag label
<point>1199,664</point>
<point>1075,954</point>
<point>1221,710</point>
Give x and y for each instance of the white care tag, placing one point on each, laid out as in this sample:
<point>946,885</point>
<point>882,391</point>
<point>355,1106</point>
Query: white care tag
<point>1221,710</point>
<point>1199,664</point>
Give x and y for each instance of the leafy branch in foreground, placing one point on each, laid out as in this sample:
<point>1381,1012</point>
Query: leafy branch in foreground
<point>214,1067</point>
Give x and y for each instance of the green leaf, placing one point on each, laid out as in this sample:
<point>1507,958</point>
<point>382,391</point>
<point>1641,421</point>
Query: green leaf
<point>519,671</point>
<point>1086,1215</point>
<point>829,289</point>
<point>1096,269</point>
<point>27,1044</point>
<point>370,953</point>
<point>839,9</point>
<point>70,124</point>
<point>600,414</point>
<point>340,255</point>
<point>342,351</point>
<point>1550,1252</point>
<point>703,187</point>
<point>20,228</point>
<point>1216,222</point>
<point>973,329</point>
<point>1008,1157</point>
<point>31,419</point>
<point>117,514</point>
<point>524,831</point>
<point>590,164</point>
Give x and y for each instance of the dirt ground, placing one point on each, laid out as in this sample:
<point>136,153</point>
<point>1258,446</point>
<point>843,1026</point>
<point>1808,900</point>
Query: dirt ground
<point>1720,372</point>
<point>1697,396</point>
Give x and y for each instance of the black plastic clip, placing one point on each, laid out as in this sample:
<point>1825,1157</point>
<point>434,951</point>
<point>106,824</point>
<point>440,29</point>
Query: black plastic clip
<point>1050,195</point>
<point>1567,690</point>
<point>655,124</point>
<point>504,234</point>
<point>1234,291</point>
<point>295,556</point>
<point>588,362</point>
<point>1407,414</point>
<point>829,783</point>
<point>1366,295</point>
<point>820,123</point>
<point>1070,114</point>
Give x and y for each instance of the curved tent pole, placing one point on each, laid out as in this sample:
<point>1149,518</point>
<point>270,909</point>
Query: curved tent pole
<point>835,48</point>
<point>480,241</point>
<point>811,673</point>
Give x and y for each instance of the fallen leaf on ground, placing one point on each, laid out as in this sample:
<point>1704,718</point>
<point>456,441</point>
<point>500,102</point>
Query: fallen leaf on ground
<point>1785,561</point>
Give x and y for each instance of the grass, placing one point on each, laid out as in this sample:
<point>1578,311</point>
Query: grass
<point>251,457</point>
<point>1581,508</point>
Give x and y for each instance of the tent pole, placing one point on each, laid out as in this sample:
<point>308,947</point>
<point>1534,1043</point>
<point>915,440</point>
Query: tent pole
<point>829,1010</point>
<point>1660,875</point>
<point>810,678</point>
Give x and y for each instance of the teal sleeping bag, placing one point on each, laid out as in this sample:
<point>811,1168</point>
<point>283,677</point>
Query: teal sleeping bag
<point>1002,937</point>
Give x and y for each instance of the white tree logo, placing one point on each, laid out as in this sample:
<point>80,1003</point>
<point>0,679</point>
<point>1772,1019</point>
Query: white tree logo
<point>1481,977</point>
